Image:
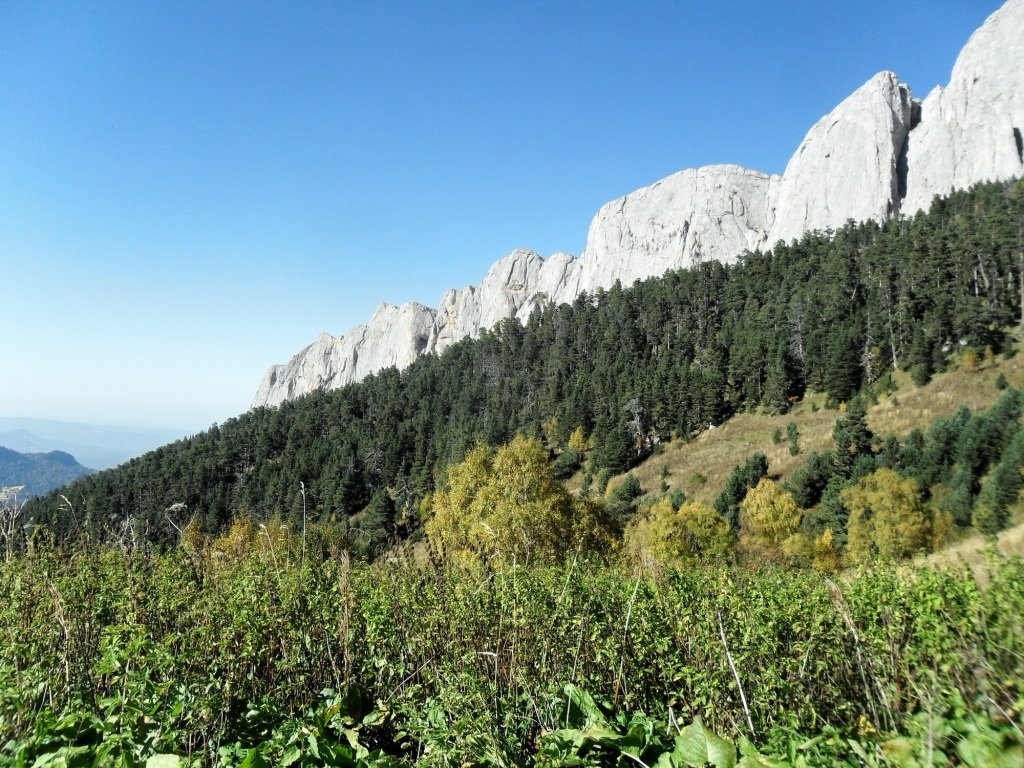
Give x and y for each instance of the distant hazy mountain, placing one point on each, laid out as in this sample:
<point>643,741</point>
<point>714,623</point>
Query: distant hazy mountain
<point>95,446</point>
<point>38,472</point>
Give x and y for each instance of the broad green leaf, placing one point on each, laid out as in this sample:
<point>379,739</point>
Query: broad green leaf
<point>691,747</point>
<point>163,761</point>
<point>721,753</point>
<point>291,755</point>
<point>376,717</point>
<point>583,703</point>
<point>696,746</point>
<point>254,759</point>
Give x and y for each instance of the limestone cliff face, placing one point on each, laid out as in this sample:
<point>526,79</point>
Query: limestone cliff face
<point>848,165</point>
<point>875,154</point>
<point>715,212</point>
<point>513,286</point>
<point>394,336</point>
<point>971,130</point>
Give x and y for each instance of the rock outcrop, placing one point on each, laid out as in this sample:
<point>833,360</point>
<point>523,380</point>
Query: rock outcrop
<point>513,286</point>
<point>971,130</point>
<point>394,336</point>
<point>715,212</point>
<point>848,165</point>
<point>875,154</point>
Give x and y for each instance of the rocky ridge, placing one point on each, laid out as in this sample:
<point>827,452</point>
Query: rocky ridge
<point>971,130</point>
<point>876,154</point>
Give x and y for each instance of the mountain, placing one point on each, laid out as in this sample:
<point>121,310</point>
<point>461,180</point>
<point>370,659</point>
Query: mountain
<point>94,445</point>
<point>38,472</point>
<point>605,380</point>
<point>972,129</point>
<point>879,153</point>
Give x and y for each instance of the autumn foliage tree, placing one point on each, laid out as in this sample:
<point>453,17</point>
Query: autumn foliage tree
<point>669,536</point>
<point>887,517</point>
<point>770,523</point>
<point>505,506</point>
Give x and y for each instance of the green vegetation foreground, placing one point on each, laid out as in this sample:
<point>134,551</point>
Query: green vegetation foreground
<point>221,654</point>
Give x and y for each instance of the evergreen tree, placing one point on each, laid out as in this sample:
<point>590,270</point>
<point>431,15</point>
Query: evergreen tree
<point>743,477</point>
<point>831,514</point>
<point>616,452</point>
<point>809,481</point>
<point>853,438</point>
<point>793,438</point>
<point>842,371</point>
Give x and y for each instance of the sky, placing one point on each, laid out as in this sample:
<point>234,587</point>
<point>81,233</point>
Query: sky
<point>192,191</point>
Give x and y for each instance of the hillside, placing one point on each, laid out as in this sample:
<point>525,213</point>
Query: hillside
<point>630,367</point>
<point>99,446</point>
<point>38,472</point>
<point>879,154</point>
<point>699,467</point>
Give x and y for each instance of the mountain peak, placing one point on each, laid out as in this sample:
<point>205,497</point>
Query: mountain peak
<point>878,153</point>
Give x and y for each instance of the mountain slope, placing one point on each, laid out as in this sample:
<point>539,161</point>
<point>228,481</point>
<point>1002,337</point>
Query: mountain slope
<point>630,367</point>
<point>95,445</point>
<point>699,467</point>
<point>38,472</point>
<point>856,163</point>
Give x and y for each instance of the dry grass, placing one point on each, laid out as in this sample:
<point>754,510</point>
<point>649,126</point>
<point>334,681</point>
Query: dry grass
<point>702,466</point>
<point>714,453</point>
<point>971,550</point>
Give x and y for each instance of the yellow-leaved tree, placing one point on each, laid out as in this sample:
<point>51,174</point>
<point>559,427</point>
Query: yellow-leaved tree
<point>887,517</point>
<point>669,536</point>
<point>505,506</point>
<point>578,440</point>
<point>770,525</point>
<point>825,555</point>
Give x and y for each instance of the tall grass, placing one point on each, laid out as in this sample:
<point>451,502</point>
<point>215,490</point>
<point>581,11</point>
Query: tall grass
<point>220,652</point>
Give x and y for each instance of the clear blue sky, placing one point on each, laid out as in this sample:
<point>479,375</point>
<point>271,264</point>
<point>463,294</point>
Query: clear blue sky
<point>191,191</point>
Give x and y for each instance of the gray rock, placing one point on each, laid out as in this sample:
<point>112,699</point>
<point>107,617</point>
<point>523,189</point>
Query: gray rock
<point>971,130</point>
<point>512,287</point>
<point>847,165</point>
<point>715,212</point>
<point>394,336</point>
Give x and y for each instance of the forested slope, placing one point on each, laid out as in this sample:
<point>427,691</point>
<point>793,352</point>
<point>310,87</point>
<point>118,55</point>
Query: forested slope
<point>629,366</point>
<point>38,472</point>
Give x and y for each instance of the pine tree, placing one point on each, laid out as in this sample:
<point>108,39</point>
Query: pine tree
<point>616,452</point>
<point>852,437</point>
<point>793,438</point>
<point>842,371</point>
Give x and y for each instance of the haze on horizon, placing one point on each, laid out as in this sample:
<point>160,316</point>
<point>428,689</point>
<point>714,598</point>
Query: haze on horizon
<point>191,192</point>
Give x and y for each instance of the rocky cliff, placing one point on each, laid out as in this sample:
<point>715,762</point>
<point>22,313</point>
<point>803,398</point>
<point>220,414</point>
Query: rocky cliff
<point>394,336</point>
<point>971,130</point>
<point>847,167</point>
<point>878,153</point>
